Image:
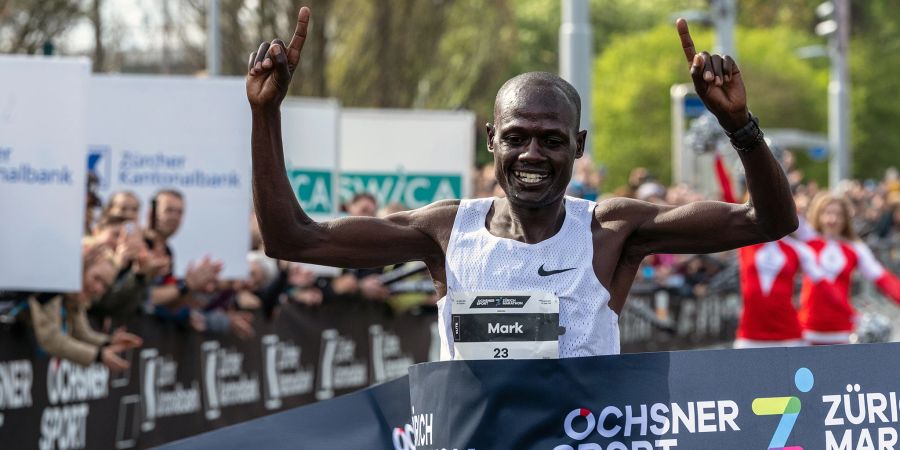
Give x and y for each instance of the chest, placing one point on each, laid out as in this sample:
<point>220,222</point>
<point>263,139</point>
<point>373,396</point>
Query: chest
<point>773,259</point>
<point>479,261</point>
<point>836,259</point>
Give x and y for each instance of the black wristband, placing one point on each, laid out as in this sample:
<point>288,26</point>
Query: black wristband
<point>99,357</point>
<point>747,137</point>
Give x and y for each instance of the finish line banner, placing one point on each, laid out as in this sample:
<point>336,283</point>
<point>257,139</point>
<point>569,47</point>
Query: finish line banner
<point>832,398</point>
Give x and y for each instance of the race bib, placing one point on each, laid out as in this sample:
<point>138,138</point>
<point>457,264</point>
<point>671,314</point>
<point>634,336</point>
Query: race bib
<point>504,325</point>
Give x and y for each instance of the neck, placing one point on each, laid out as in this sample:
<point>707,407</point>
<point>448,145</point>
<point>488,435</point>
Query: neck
<point>528,225</point>
<point>157,236</point>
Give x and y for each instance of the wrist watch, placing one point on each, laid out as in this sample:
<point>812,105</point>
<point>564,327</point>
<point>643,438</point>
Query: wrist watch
<point>183,288</point>
<point>747,137</point>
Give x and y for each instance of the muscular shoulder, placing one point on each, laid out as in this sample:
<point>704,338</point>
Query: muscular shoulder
<point>624,211</point>
<point>435,220</point>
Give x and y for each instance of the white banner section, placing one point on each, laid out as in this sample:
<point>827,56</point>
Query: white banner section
<point>42,175</point>
<point>411,157</point>
<point>310,135</point>
<point>187,134</point>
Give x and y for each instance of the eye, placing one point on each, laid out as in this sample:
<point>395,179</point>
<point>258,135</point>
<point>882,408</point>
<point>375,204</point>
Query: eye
<point>553,142</point>
<point>514,140</point>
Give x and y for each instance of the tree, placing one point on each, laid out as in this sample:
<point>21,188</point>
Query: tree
<point>632,78</point>
<point>26,25</point>
<point>874,86</point>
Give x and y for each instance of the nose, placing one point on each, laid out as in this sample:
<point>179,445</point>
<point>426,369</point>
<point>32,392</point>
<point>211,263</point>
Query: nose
<point>532,152</point>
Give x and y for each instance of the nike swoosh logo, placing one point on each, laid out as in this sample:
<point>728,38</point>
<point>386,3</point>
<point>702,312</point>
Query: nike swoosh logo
<point>545,273</point>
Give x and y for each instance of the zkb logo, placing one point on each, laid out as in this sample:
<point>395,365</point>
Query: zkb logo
<point>100,162</point>
<point>786,407</point>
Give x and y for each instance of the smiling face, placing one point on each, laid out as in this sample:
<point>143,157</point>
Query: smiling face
<point>97,277</point>
<point>169,211</point>
<point>833,220</point>
<point>535,142</point>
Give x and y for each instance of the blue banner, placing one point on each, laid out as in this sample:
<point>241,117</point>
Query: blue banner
<point>832,398</point>
<point>373,418</point>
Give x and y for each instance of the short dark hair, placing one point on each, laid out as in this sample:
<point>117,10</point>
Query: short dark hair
<point>362,195</point>
<point>172,192</point>
<point>542,80</point>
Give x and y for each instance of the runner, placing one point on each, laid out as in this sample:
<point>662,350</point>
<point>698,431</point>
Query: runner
<point>536,250</point>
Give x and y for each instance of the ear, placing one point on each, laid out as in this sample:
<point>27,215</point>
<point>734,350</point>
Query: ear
<point>579,142</point>
<point>489,128</point>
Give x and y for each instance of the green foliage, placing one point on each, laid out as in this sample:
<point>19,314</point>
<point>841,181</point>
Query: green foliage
<point>874,85</point>
<point>632,78</point>
<point>631,102</point>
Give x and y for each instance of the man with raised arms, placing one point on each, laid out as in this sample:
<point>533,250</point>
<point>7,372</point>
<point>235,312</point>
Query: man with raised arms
<point>564,261</point>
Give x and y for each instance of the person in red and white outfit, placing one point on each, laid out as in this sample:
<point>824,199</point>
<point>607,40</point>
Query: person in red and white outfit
<point>839,252</point>
<point>768,317</point>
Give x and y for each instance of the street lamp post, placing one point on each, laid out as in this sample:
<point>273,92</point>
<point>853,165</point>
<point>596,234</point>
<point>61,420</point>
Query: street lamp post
<point>836,26</point>
<point>576,56</point>
<point>213,64</point>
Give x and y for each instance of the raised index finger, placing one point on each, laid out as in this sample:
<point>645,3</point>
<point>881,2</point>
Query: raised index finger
<point>293,52</point>
<point>687,44</point>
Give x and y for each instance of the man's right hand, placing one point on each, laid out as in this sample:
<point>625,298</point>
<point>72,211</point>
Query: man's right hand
<point>271,67</point>
<point>203,276</point>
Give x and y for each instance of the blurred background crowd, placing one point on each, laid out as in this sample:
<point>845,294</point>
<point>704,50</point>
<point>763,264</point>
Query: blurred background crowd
<point>128,265</point>
<point>447,55</point>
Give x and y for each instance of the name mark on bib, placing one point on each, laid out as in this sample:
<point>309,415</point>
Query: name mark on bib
<point>495,328</point>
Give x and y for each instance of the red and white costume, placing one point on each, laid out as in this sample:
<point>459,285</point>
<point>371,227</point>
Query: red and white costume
<point>768,318</point>
<point>831,322</point>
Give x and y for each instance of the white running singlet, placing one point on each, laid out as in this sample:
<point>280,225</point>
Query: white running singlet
<point>562,265</point>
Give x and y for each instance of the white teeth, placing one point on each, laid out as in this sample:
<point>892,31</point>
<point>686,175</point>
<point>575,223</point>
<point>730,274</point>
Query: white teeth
<point>527,177</point>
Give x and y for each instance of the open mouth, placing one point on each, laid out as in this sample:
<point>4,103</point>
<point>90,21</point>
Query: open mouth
<point>530,177</point>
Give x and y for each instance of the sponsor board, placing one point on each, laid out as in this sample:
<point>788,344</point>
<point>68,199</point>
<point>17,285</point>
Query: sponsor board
<point>411,157</point>
<point>310,129</point>
<point>413,190</point>
<point>42,175</point>
<point>183,383</point>
<point>151,133</point>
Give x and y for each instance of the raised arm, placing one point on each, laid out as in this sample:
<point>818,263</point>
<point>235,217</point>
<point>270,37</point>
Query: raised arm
<point>873,271</point>
<point>287,231</point>
<point>710,226</point>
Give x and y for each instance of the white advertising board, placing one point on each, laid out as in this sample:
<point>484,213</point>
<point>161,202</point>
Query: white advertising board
<point>187,134</point>
<point>42,172</point>
<point>413,157</point>
<point>309,129</point>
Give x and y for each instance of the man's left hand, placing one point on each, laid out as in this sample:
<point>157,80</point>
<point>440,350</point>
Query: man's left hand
<point>717,81</point>
<point>125,339</point>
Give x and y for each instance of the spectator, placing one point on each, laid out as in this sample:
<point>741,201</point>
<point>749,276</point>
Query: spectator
<point>92,202</point>
<point>60,322</point>
<point>123,204</point>
<point>361,282</point>
<point>172,297</point>
<point>302,288</point>
<point>136,267</point>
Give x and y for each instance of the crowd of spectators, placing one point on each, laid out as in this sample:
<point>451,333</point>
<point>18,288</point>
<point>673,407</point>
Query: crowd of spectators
<point>876,215</point>
<point>128,265</point>
<point>128,271</point>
